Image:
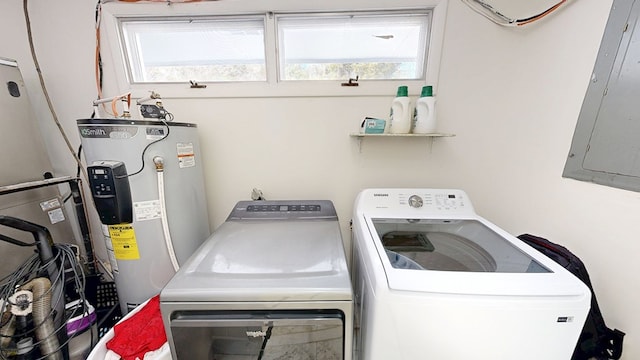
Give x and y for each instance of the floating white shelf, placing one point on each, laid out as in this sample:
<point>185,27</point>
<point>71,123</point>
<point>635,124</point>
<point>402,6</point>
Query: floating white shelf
<point>360,135</point>
<point>431,136</point>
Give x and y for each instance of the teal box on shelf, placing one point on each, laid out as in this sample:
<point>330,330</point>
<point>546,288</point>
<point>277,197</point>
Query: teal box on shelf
<point>373,126</point>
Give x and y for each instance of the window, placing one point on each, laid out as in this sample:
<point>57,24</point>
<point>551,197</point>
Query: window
<point>337,47</point>
<point>318,47</point>
<point>210,50</point>
<point>283,48</point>
<point>605,147</point>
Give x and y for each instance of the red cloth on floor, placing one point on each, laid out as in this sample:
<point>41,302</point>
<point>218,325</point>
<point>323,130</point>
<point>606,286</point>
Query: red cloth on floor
<point>140,333</point>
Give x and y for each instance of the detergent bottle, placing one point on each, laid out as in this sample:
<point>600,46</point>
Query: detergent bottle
<point>400,116</point>
<point>424,117</point>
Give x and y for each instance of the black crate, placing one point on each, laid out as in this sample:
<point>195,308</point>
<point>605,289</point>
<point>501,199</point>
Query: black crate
<point>104,298</point>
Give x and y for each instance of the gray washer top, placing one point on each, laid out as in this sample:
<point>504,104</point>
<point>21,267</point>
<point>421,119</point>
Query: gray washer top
<point>268,251</point>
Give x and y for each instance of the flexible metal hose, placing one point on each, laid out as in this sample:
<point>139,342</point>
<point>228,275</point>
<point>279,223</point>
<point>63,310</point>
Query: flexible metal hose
<point>7,330</point>
<point>45,332</point>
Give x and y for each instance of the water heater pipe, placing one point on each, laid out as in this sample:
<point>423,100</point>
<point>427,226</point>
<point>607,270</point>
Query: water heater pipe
<point>159,163</point>
<point>153,96</point>
<point>126,104</point>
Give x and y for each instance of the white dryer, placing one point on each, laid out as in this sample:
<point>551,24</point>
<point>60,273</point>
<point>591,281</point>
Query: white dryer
<point>433,280</point>
<point>270,283</point>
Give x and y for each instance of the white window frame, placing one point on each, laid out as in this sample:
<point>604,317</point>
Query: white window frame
<point>112,48</point>
<point>135,69</point>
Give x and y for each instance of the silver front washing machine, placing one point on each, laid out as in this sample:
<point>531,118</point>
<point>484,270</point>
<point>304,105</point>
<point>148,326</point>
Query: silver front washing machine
<point>270,283</point>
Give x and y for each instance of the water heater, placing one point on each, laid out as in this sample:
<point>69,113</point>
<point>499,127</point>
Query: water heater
<point>147,182</point>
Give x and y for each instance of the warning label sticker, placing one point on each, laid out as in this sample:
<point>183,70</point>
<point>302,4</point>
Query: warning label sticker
<point>50,204</point>
<point>147,210</point>
<point>123,239</point>
<point>155,133</point>
<point>56,216</point>
<point>186,156</point>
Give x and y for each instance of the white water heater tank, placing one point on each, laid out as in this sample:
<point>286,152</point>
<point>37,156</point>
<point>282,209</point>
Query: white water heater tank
<point>139,255</point>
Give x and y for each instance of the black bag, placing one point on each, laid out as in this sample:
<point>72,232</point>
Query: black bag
<point>597,340</point>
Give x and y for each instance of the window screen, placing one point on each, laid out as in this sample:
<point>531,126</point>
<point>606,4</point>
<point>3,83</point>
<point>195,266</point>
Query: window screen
<point>274,47</point>
<point>208,50</point>
<point>340,46</point>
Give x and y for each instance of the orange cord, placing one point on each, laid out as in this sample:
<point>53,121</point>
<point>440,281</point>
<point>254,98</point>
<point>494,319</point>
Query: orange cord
<point>113,106</point>
<point>114,101</point>
<point>540,16</point>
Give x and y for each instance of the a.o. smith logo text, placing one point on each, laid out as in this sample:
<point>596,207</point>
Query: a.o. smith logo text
<point>113,132</point>
<point>93,132</point>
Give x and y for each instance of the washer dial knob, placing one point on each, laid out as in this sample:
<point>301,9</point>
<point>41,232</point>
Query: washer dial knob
<point>415,201</point>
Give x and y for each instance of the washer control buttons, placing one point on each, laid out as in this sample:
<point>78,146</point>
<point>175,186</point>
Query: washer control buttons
<point>282,208</point>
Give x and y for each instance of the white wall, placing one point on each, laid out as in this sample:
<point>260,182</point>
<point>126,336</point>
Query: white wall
<point>512,97</point>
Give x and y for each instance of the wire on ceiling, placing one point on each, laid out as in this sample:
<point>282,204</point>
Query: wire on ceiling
<point>497,17</point>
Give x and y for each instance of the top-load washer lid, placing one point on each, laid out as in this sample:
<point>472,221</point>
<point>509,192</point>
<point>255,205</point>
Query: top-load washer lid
<point>450,245</point>
<point>268,251</point>
<point>431,240</point>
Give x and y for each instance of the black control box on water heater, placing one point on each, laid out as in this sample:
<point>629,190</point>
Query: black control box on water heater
<point>111,192</point>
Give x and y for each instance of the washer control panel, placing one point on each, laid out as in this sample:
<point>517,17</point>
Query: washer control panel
<point>420,201</point>
<point>434,200</point>
<point>283,207</point>
<point>283,210</point>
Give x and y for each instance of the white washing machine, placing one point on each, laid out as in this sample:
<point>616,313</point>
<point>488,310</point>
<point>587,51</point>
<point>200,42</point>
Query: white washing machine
<point>433,280</point>
<point>270,283</point>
